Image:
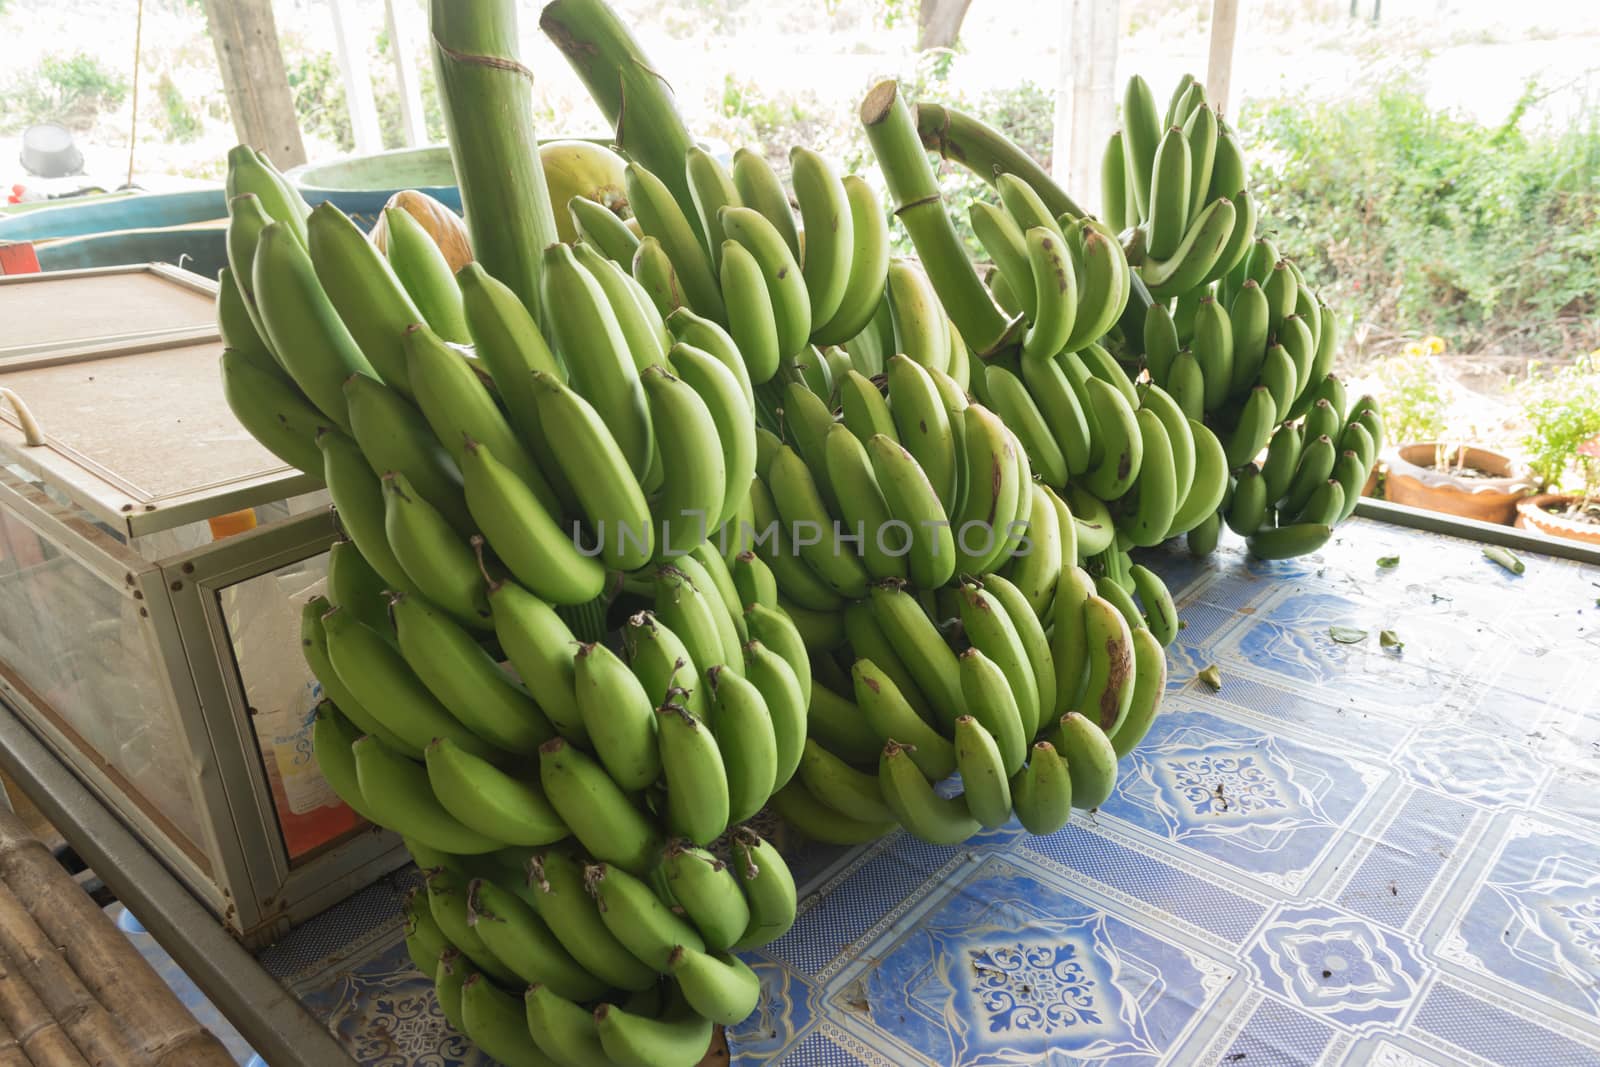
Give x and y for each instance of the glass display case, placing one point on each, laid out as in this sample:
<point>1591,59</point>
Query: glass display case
<point>153,561</point>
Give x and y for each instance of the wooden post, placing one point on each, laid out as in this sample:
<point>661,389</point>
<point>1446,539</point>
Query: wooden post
<point>350,45</point>
<point>1086,95</point>
<point>246,40</point>
<point>1219,69</point>
<point>413,125</point>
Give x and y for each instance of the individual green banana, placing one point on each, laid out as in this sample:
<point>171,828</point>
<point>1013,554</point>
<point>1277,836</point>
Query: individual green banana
<point>993,490</point>
<point>711,188</point>
<point>632,1040</point>
<point>1246,215</point>
<point>397,796</point>
<point>1326,502</point>
<point>1141,134</point>
<point>718,986</point>
<point>1208,485</point>
<point>1160,616</point>
<point>1003,239</point>
<point>768,887</point>
<point>653,270</point>
<point>642,325</point>
<point>696,778</point>
<point>865,411</point>
<point>1253,432</point>
<point>464,678</point>
<point>791,303</point>
<point>774,629</point>
<point>394,436</point>
<point>1011,401</point>
<point>364,289</point>
<point>636,917</point>
<point>992,701</point>
<point>921,423</point>
<point>661,217</point>
<point>1322,420</point>
<point>1101,364</point>
<point>1295,336</point>
<point>1283,459</point>
<point>541,647</point>
<point>425,942</point>
<point>1248,319</point>
<point>301,324</point>
<point>600,815</point>
<point>1186,383</point>
<point>1023,203</point>
<point>730,412</point>
<point>771,539</point>
<point>760,188</point>
<point>1118,467</point>
<point>862,504</point>
<point>869,266</point>
<point>1197,254</point>
<point>1202,539</point>
<point>1109,586</point>
<point>1105,282</point>
<point>425,274</point>
<point>1116,192</point>
<point>585,331</point>
<point>891,718</point>
<point>1156,494</point>
<point>1200,129</point>
<point>1169,195</point>
<point>687,603</point>
<point>1036,572</point>
<point>1351,474</point>
<point>986,789</point>
<point>600,227</point>
<point>524,534</point>
<point>1213,350</point>
<point>752,319</point>
<point>929,816</point>
<point>839,726</point>
<point>1055,284</point>
<point>314,647</point>
<point>236,322</point>
<point>754,580</point>
<point>618,716</point>
<point>1247,510</point>
<point>1149,684</point>
<point>814,819</point>
<point>921,647</point>
<point>1091,520</point>
<point>1316,464</point>
<point>786,706</point>
<point>1279,285</point>
<point>701,333</point>
<point>561,1028</point>
<point>746,738</point>
<point>1286,542</point>
<point>355,586</point>
<point>989,627</point>
<point>524,942</point>
<point>689,505</point>
<point>1068,524</point>
<point>912,500</point>
<point>800,504</point>
<point>380,682</point>
<point>920,332</point>
<point>1108,685</point>
<point>434,556</point>
<point>853,793</point>
<point>1091,761</point>
<point>273,410</point>
<point>709,894</point>
<point>1058,406</point>
<point>662,663</point>
<point>600,474</point>
<point>451,904</point>
<point>448,978</point>
<point>1041,792</point>
<point>564,903</point>
<point>1160,344</point>
<point>331,737</point>
<point>868,641</point>
<point>488,800</point>
<point>250,171</point>
<point>829,241</point>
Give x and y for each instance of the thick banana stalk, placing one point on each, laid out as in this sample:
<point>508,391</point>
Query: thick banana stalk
<point>915,190</point>
<point>503,190</point>
<point>623,83</point>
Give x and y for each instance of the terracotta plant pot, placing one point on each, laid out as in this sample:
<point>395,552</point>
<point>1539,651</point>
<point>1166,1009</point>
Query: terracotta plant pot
<point>1531,515</point>
<point>1411,479</point>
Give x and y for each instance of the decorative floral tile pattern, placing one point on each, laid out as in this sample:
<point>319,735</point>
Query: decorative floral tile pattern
<point>1349,854</point>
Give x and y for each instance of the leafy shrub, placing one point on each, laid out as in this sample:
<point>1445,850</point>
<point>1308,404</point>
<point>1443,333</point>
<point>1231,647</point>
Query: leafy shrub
<point>177,119</point>
<point>1410,213</point>
<point>1562,410</point>
<point>319,101</point>
<point>1413,405</point>
<point>71,90</point>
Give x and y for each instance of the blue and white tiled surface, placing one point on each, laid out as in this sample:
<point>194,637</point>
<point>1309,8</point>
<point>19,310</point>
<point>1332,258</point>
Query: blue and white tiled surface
<point>1348,855</point>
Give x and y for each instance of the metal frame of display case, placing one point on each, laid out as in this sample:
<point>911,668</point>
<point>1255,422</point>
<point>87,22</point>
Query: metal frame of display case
<point>240,868</point>
<point>41,353</point>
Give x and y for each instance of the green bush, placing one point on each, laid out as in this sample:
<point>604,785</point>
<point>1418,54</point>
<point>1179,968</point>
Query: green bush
<point>177,119</point>
<point>1562,411</point>
<point>319,98</point>
<point>1420,217</point>
<point>1413,405</point>
<point>71,90</point>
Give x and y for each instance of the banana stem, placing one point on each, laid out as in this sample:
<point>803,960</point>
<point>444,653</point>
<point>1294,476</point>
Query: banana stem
<point>635,99</point>
<point>988,153</point>
<point>919,205</point>
<point>488,109</point>
<point>984,150</point>
<point>587,621</point>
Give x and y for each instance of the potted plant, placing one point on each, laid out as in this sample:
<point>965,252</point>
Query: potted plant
<point>1425,471</point>
<point>1562,410</point>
